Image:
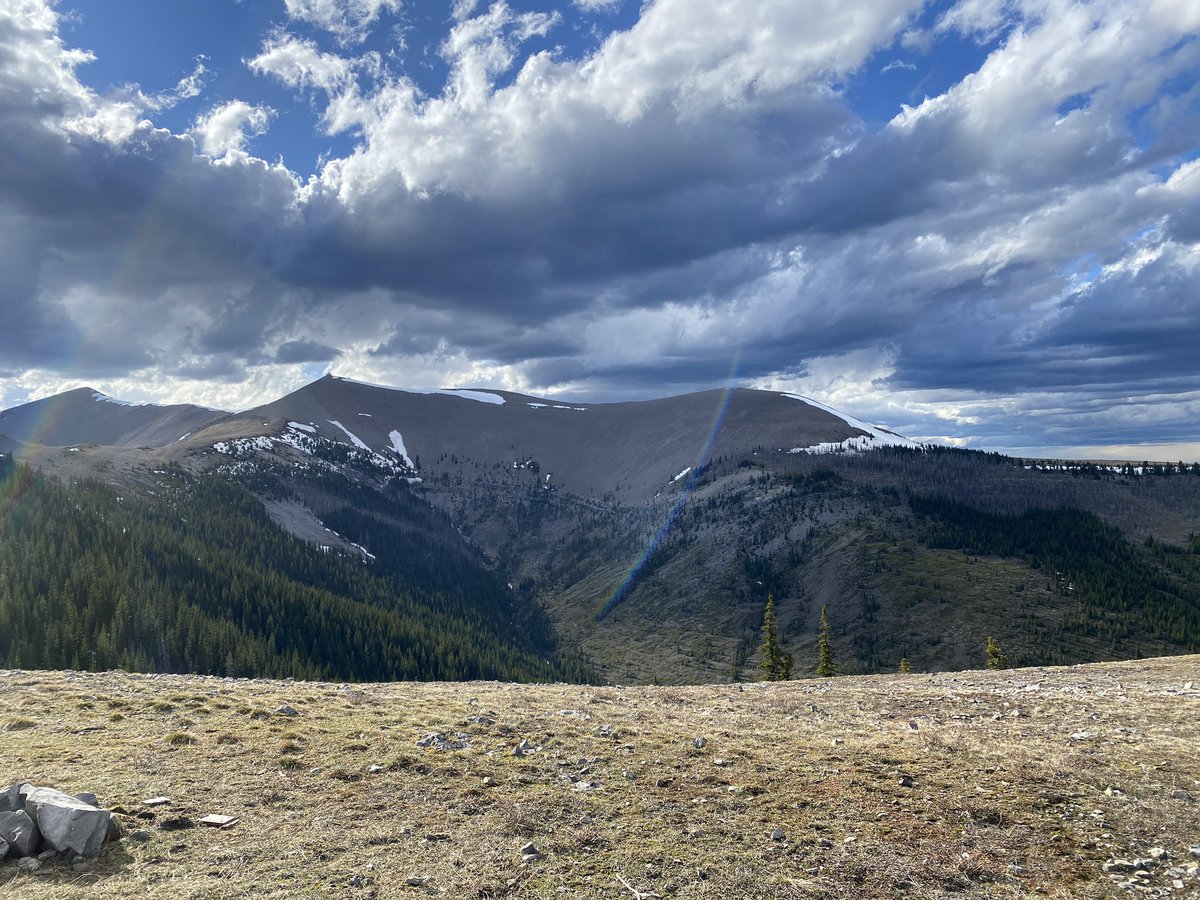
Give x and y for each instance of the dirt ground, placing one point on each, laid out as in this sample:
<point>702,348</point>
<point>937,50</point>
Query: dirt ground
<point>1065,782</point>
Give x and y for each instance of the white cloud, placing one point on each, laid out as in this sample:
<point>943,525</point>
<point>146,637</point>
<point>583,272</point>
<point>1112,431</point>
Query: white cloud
<point>598,5</point>
<point>227,127</point>
<point>348,20</point>
<point>300,64</point>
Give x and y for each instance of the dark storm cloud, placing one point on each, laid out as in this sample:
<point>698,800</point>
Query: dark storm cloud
<point>304,351</point>
<point>641,220</point>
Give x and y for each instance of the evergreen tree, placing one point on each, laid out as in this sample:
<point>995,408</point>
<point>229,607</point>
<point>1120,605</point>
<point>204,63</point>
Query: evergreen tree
<point>825,667</point>
<point>905,668</point>
<point>995,656</point>
<point>775,662</point>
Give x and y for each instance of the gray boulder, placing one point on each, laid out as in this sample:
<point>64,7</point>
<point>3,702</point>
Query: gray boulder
<point>67,823</point>
<point>11,799</point>
<point>3,848</point>
<point>20,832</point>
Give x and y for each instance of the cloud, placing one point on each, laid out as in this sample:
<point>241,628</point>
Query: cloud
<point>348,20</point>
<point>1007,262</point>
<point>606,6</point>
<point>227,127</point>
<point>898,64</point>
<point>300,64</point>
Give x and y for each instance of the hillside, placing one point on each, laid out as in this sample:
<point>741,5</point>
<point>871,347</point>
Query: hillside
<point>630,542</point>
<point>1056,782</point>
<point>84,416</point>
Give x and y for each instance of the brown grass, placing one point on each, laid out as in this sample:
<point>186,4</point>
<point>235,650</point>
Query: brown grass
<point>965,785</point>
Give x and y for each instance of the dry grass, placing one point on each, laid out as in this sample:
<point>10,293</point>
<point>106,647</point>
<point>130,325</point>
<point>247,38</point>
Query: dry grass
<point>967,785</point>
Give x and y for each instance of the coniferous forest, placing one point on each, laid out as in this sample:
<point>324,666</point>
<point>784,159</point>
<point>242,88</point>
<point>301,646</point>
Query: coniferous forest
<point>196,577</point>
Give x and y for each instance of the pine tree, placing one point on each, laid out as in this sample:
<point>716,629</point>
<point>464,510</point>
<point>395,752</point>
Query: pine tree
<point>995,656</point>
<point>905,668</point>
<point>775,662</point>
<point>825,667</point>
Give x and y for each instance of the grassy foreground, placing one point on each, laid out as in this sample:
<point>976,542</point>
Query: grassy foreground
<point>970,784</point>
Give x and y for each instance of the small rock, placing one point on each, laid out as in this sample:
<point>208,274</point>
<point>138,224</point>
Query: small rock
<point>837,742</point>
<point>907,781</point>
<point>530,852</point>
<point>285,710</point>
<point>825,844</point>
<point>437,837</point>
<point>80,866</point>
<point>777,834</point>
<point>439,741</point>
<point>217,821</point>
<point>1159,853</point>
<point>414,881</point>
<point>523,749</point>
<point>699,742</point>
<point>374,769</point>
<point>720,762</point>
<point>28,864</point>
<point>663,782</point>
<point>47,854</point>
<point>156,801</point>
<point>1194,851</point>
<point>141,836</point>
<point>1083,735</point>
<point>1181,794</point>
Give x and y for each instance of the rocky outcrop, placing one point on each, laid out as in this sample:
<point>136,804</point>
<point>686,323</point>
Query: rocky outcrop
<point>34,820</point>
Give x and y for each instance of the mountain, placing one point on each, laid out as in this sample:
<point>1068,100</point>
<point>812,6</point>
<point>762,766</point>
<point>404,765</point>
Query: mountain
<point>84,416</point>
<point>632,541</point>
<point>631,449</point>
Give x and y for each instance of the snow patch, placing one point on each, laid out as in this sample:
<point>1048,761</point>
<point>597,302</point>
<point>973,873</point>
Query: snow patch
<point>481,396</point>
<point>681,474</point>
<point>311,429</point>
<point>368,415</point>
<point>398,446</point>
<point>104,398</point>
<point>184,438</point>
<point>242,445</point>
<point>354,439</point>
<point>874,437</point>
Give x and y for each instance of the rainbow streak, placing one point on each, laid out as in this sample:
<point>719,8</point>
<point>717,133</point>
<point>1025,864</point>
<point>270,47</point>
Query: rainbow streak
<point>626,584</point>
<point>11,490</point>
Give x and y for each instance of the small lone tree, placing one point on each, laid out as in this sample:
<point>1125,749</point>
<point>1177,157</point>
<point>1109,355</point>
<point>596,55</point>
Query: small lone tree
<point>825,667</point>
<point>776,663</point>
<point>905,668</point>
<point>995,656</point>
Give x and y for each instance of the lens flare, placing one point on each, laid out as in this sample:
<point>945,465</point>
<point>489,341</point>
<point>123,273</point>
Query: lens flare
<point>623,589</point>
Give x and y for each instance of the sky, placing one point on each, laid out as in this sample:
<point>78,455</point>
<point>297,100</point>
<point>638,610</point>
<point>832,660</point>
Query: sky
<point>974,222</point>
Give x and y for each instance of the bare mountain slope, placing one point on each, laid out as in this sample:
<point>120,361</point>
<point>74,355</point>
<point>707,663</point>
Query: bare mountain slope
<point>86,416</point>
<point>633,449</point>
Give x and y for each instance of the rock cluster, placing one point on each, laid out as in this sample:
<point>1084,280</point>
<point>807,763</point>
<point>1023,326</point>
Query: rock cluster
<point>38,822</point>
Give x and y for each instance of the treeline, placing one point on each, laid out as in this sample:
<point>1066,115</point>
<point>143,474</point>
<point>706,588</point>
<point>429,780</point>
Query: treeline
<point>197,578</point>
<point>1122,594</point>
